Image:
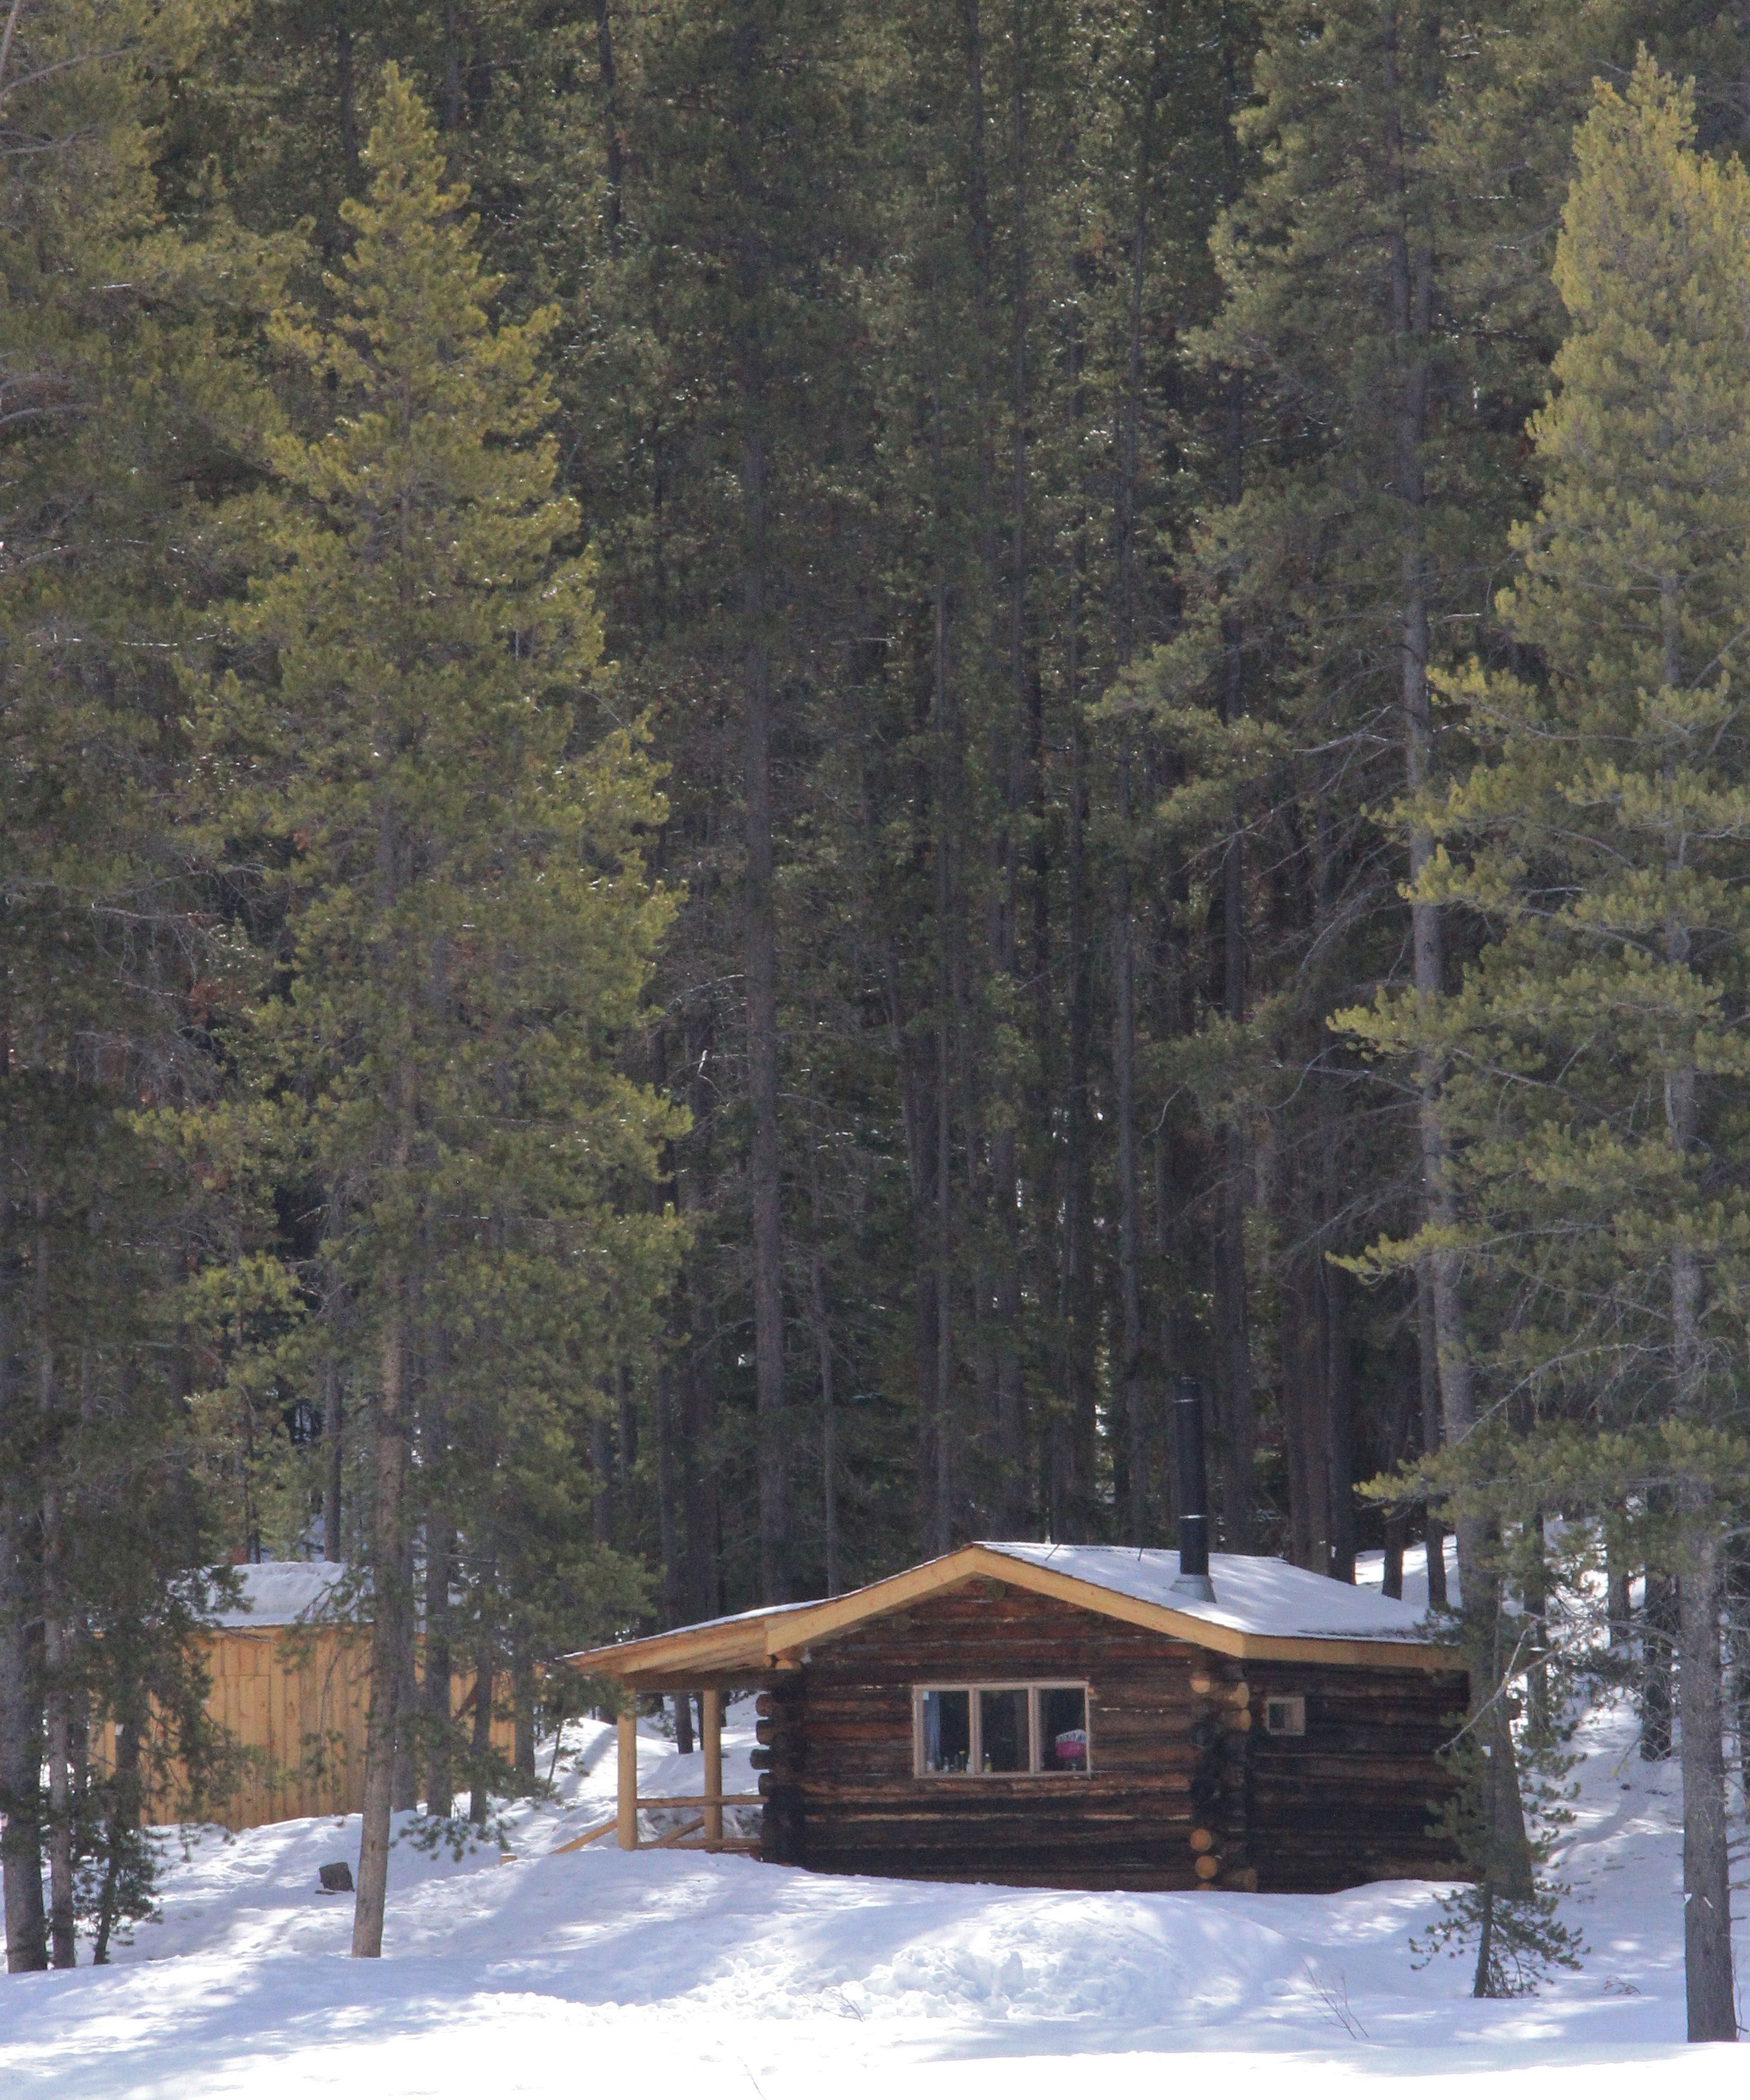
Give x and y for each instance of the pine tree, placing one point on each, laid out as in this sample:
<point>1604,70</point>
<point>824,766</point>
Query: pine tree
<point>1598,1041</point>
<point>119,333</point>
<point>407,743</point>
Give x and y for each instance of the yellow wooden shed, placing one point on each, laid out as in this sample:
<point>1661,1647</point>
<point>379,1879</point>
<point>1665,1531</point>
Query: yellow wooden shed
<point>292,1689</point>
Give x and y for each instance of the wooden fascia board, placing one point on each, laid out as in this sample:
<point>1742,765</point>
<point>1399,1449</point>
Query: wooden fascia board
<point>665,1654</point>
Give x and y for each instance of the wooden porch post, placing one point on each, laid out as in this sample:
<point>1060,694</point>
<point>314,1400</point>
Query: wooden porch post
<point>629,1776</point>
<point>711,1716</point>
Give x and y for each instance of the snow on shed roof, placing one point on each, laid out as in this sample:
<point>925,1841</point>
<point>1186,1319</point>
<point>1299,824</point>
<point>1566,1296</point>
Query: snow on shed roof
<point>1254,1594</point>
<point>281,1593</point>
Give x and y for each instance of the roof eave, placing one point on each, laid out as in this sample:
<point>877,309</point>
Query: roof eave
<point>763,1646</point>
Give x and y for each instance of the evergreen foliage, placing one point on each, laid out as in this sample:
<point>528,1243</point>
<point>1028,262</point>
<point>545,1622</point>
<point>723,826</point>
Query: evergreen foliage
<point>672,909</point>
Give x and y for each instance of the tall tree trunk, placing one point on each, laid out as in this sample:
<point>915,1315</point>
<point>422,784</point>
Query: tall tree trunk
<point>26,1935</point>
<point>391,1620</point>
<point>480,1789</point>
<point>57,1655</point>
<point>405,1787</point>
<point>829,1454</point>
<point>1023,741</point>
<point>1133,1394</point>
<point>698,1381</point>
<point>120,1825</point>
<point>346,94</point>
<point>602,1512</point>
<point>1076,1305</point>
<point>937,1337</point>
<point>1237,1456</point>
<point>522,1710</point>
<point>334,1448</point>
<point>1303,1349</point>
<point>1339,1417</point>
<point>1707,1898</point>
<point>1659,1634</point>
<point>1707,1893</point>
<point>450,106</point>
<point>1411,272</point>
<point>668,1462</point>
<point>613,149</point>
<point>440,1549</point>
<point>1428,1372</point>
<point>1708,1975</point>
<point>760,901</point>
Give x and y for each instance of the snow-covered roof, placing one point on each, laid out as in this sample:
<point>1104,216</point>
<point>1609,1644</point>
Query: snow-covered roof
<point>1262,1609</point>
<point>281,1593</point>
<point>1254,1594</point>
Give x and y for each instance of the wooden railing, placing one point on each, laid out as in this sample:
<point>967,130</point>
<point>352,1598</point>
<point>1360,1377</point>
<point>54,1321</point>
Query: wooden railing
<point>710,1803</point>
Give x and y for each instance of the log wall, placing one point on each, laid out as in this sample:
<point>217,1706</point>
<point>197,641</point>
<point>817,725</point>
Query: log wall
<point>1185,1791</point>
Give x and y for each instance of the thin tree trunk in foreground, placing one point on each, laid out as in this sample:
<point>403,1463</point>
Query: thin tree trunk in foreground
<point>390,1628</point>
<point>27,1930</point>
<point>479,1793</point>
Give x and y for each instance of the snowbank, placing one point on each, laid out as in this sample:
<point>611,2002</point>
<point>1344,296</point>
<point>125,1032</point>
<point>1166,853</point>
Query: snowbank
<point>551,1973</point>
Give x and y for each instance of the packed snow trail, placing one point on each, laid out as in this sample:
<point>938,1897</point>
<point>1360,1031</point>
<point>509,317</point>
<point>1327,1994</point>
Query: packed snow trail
<point>549,1975</point>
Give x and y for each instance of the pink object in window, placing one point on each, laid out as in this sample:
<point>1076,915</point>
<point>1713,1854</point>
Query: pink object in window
<point>1071,1746</point>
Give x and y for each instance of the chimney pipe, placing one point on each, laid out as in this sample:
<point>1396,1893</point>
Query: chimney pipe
<point>1193,1579</point>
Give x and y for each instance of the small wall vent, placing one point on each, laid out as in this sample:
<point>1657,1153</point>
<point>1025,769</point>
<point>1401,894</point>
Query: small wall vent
<point>1285,1717</point>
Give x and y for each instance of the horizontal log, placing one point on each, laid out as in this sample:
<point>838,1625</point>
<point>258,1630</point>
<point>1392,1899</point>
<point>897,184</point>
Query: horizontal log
<point>698,1800</point>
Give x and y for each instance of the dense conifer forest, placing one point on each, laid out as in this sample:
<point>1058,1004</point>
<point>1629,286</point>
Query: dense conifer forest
<point>755,754</point>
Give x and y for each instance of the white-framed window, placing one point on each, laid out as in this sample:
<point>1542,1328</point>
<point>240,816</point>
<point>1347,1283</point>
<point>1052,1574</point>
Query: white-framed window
<point>1285,1715</point>
<point>994,1731</point>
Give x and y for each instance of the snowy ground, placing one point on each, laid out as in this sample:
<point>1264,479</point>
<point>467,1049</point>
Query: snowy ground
<point>549,1975</point>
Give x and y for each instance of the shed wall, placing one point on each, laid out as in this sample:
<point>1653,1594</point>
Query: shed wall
<point>294,1699</point>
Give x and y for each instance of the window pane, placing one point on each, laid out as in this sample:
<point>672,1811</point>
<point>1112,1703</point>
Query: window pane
<point>1003,1731</point>
<point>947,1731</point>
<point>1063,1729</point>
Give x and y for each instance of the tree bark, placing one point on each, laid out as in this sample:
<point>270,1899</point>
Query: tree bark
<point>1658,1632</point>
<point>1020,738</point>
<point>26,1933</point>
<point>936,1312</point>
<point>1708,1979</point>
<point>440,1545</point>
<point>613,151</point>
<point>333,1438</point>
<point>1428,1372</point>
<point>764,1177</point>
<point>479,1791</point>
<point>1132,1382</point>
<point>1133,1398</point>
<point>346,94</point>
<point>1236,1455</point>
<point>1707,1899</point>
<point>451,105</point>
<point>829,1431</point>
<point>391,1620</point>
<point>522,1710</point>
<point>1335,1286</point>
<point>57,1658</point>
<point>122,1820</point>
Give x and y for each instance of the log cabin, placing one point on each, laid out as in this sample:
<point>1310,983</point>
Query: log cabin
<point>1077,1717</point>
<point>1071,1717</point>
